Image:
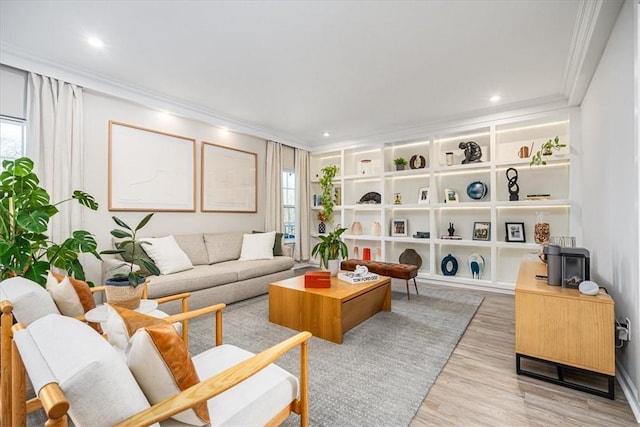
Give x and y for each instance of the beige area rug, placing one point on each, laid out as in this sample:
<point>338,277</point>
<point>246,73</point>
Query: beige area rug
<point>383,370</point>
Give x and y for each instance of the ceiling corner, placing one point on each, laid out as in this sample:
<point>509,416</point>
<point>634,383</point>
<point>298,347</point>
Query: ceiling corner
<point>594,22</point>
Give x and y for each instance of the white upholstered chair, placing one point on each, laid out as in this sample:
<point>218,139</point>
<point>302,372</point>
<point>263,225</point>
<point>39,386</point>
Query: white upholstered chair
<point>27,301</point>
<point>75,371</point>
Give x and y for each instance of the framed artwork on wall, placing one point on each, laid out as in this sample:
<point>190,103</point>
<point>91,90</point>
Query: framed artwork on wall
<point>515,232</point>
<point>165,183</point>
<point>229,179</point>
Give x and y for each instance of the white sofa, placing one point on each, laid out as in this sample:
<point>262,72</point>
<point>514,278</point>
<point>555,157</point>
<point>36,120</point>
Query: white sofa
<point>218,274</point>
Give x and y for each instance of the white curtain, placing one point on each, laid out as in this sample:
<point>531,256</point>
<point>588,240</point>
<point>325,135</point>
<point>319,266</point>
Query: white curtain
<point>303,202</point>
<point>273,198</point>
<point>54,143</point>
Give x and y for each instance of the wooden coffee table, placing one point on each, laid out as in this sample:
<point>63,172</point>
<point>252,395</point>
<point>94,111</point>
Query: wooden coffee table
<point>327,312</point>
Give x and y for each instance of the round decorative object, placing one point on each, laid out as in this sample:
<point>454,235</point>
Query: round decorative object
<point>449,265</point>
<point>371,197</point>
<point>476,265</point>
<point>410,256</point>
<point>414,159</point>
<point>322,228</point>
<point>477,190</point>
<point>588,287</point>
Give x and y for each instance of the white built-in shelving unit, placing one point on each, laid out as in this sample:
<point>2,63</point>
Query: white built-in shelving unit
<point>500,141</point>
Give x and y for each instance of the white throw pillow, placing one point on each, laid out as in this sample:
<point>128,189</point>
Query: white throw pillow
<point>167,254</point>
<point>257,246</point>
<point>65,296</point>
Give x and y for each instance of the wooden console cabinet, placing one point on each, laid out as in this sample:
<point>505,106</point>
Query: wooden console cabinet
<point>563,327</point>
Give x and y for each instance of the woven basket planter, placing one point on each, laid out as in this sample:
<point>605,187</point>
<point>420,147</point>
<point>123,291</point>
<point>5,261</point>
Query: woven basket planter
<point>125,296</point>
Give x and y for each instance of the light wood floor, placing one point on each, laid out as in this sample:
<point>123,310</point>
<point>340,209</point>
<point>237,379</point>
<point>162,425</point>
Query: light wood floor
<point>479,385</point>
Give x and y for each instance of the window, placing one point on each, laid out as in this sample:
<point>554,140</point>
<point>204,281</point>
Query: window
<point>289,203</point>
<point>12,138</point>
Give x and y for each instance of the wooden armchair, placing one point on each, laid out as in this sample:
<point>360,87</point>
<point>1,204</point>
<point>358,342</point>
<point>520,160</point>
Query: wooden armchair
<point>26,301</point>
<point>85,378</point>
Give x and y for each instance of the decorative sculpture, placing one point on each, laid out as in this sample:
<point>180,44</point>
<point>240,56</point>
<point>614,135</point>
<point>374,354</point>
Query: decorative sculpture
<point>449,265</point>
<point>472,152</point>
<point>513,186</point>
<point>451,230</point>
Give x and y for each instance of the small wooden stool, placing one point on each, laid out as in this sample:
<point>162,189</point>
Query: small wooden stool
<point>390,269</point>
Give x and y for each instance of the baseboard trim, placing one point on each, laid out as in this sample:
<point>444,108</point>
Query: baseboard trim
<point>629,389</point>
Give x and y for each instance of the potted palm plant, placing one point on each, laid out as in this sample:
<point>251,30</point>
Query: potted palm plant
<point>25,211</point>
<point>330,249</point>
<point>122,288</point>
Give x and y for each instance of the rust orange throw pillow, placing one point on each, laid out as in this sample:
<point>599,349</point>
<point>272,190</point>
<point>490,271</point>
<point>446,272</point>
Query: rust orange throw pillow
<point>67,303</point>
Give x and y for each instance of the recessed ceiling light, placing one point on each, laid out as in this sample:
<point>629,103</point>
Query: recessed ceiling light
<point>95,42</point>
<point>495,98</point>
<point>326,134</point>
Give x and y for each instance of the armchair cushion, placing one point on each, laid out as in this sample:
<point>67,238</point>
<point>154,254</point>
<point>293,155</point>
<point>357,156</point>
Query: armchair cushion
<point>30,300</point>
<point>159,360</point>
<point>92,376</point>
<point>254,401</point>
<point>122,323</point>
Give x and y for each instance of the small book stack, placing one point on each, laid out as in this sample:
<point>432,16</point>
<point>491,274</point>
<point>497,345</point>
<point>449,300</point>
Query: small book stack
<point>352,278</point>
<point>538,197</point>
<point>451,237</point>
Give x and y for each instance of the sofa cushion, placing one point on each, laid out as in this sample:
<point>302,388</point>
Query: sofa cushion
<point>167,255</point>
<point>193,245</point>
<point>257,246</point>
<point>250,269</point>
<point>254,401</point>
<point>160,362</point>
<point>200,277</point>
<point>223,246</point>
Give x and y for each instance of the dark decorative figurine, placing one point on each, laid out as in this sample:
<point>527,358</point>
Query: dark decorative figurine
<point>514,188</point>
<point>472,152</point>
<point>451,230</point>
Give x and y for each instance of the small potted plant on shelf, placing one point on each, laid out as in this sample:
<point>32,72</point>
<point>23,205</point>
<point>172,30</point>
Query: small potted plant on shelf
<point>400,163</point>
<point>327,199</point>
<point>122,288</point>
<point>546,150</point>
<point>330,250</point>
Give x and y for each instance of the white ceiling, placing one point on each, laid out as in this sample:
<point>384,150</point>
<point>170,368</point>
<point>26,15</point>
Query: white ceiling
<point>290,70</point>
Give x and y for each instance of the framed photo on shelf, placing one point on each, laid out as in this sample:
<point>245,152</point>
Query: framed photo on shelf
<point>515,232</point>
<point>399,227</point>
<point>482,231</point>
<point>424,195</point>
<point>450,196</point>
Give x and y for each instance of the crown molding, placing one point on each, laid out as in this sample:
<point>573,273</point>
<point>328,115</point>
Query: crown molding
<point>150,99</point>
<point>594,22</point>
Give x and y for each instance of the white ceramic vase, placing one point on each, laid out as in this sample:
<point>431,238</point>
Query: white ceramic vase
<point>334,266</point>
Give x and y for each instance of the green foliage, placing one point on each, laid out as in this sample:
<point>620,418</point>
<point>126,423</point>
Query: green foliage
<point>25,211</point>
<point>330,246</point>
<point>545,150</point>
<point>129,235</point>
<point>400,161</point>
<point>327,197</point>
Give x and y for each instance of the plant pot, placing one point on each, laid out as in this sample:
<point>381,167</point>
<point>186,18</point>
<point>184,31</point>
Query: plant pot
<point>119,292</point>
<point>399,167</point>
<point>334,266</point>
<point>322,228</point>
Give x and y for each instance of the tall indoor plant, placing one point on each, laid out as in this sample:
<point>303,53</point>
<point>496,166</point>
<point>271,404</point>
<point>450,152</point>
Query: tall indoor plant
<point>25,210</point>
<point>331,249</point>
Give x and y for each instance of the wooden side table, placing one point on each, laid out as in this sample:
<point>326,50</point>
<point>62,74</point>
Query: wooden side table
<point>564,328</point>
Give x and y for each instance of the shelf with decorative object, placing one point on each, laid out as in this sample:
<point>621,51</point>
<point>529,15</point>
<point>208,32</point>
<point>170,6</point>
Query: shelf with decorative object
<point>480,203</point>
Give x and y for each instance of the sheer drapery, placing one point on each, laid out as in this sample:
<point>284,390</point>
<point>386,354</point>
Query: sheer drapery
<point>54,143</point>
<point>273,196</point>
<point>303,203</point>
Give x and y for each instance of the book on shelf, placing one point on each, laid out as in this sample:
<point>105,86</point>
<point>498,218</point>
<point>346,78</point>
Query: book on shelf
<point>538,197</point>
<point>352,278</point>
<point>451,237</point>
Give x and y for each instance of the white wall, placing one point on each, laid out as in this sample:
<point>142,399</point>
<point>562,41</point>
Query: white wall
<point>610,218</point>
<point>98,110</point>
